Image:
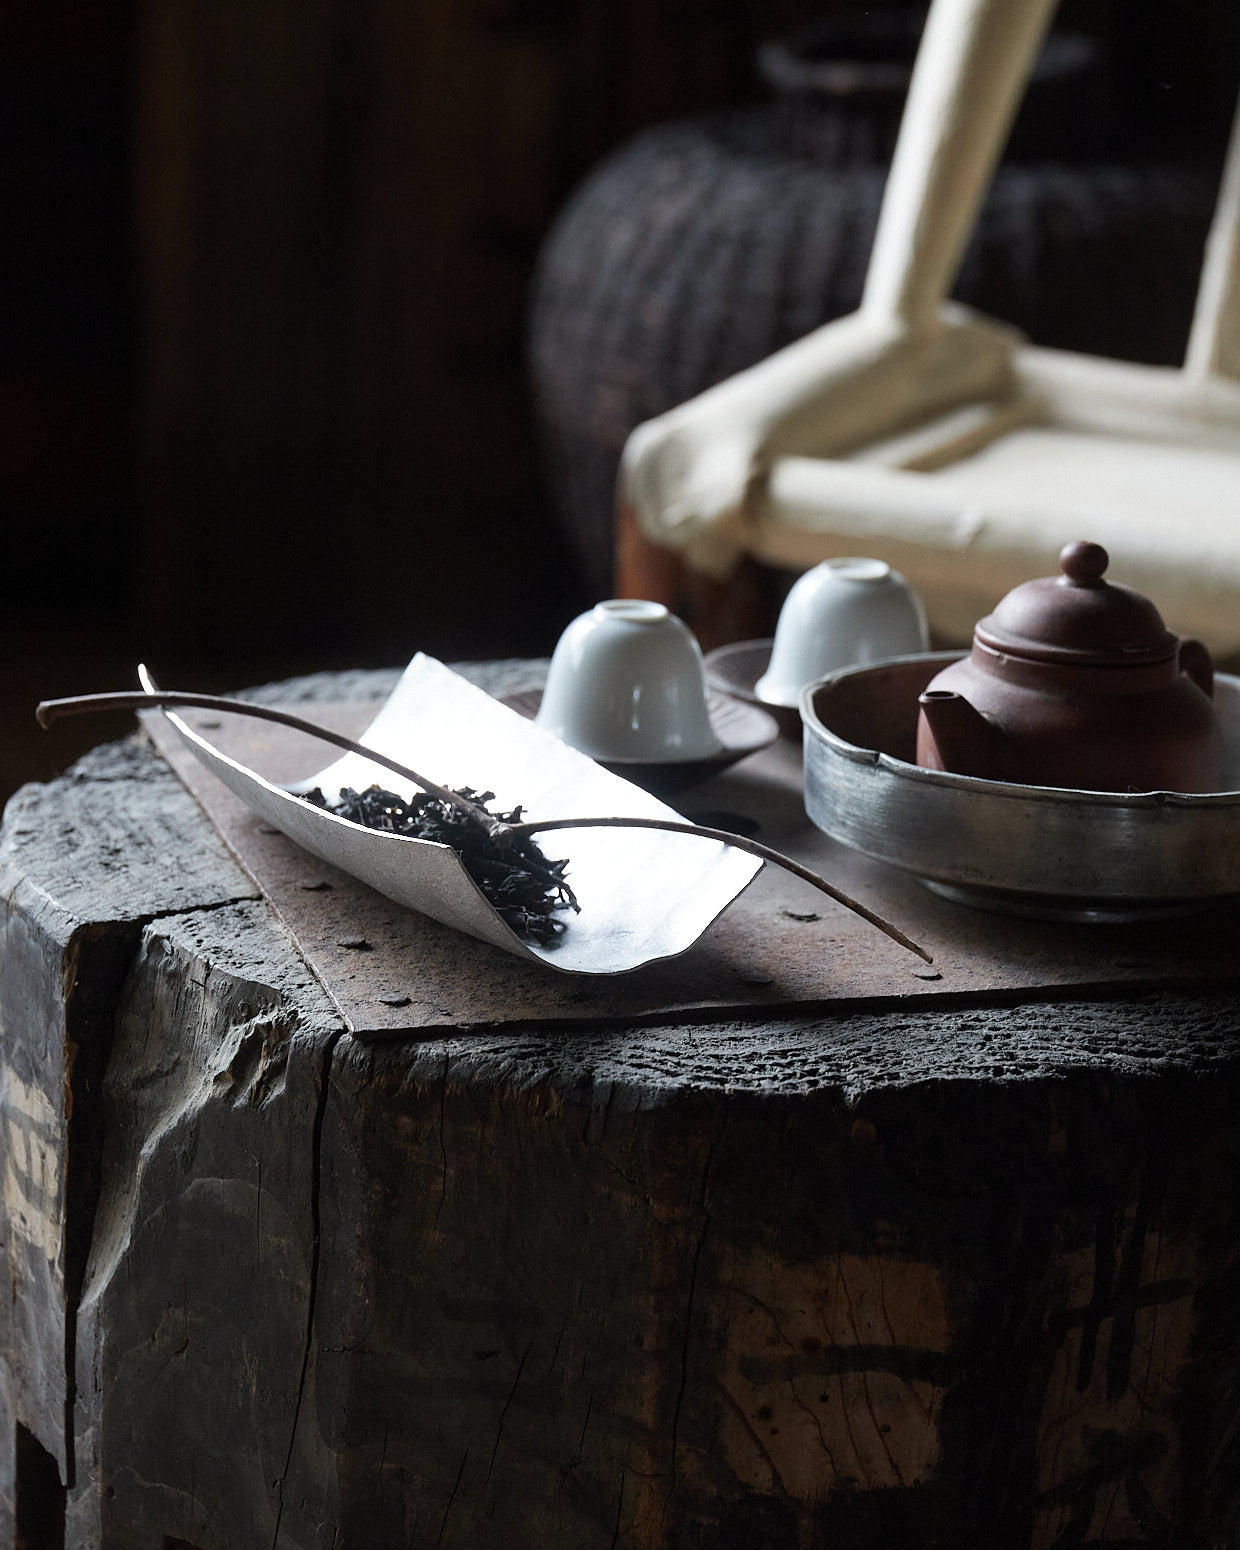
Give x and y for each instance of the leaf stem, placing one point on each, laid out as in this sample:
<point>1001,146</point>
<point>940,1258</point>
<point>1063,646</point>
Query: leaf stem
<point>738,842</point>
<point>503,834</point>
<point>48,711</point>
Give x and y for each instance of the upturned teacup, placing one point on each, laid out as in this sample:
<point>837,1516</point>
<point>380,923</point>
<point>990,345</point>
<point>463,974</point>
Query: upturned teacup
<point>626,683</point>
<point>842,612</point>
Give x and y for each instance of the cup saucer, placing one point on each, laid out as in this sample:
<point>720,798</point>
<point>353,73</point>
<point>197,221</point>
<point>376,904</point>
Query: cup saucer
<point>741,728</point>
<point>734,670</point>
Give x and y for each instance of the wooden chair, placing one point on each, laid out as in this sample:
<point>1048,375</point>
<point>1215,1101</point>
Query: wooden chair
<point>939,440</point>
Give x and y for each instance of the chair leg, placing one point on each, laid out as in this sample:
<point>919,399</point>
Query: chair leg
<point>741,608</point>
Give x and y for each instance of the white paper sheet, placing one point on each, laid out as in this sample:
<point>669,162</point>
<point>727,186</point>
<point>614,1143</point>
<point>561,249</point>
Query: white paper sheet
<point>644,895</point>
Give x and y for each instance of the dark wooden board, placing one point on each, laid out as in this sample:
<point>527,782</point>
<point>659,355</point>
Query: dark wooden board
<point>781,946</point>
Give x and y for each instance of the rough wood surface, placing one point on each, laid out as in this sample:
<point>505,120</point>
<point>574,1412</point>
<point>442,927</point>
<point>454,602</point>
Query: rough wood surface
<point>200,1288</point>
<point>759,1313</point>
<point>84,862</point>
<point>942,1278</point>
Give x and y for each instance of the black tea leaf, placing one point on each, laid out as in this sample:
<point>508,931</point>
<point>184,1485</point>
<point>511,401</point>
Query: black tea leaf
<point>525,888</point>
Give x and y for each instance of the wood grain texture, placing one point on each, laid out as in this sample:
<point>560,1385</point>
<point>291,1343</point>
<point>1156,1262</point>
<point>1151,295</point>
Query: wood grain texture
<point>753,1312</point>
<point>934,1278</point>
<point>202,1275</point>
<point>75,892</point>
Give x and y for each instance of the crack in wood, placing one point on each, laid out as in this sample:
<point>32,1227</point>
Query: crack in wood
<point>693,1275</point>
<point>499,1430</point>
<point>102,959</point>
<point>456,1486</point>
<point>443,1151</point>
<point>316,1166</point>
<point>615,1533</point>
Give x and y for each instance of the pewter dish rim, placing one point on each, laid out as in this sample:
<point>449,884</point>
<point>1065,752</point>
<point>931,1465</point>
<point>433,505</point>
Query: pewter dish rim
<point>1015,790</point>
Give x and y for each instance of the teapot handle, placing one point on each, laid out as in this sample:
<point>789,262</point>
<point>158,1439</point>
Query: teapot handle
<point>1195,660</point>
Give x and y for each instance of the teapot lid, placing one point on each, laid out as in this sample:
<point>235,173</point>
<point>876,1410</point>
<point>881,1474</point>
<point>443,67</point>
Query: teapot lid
<point>1077,616</point>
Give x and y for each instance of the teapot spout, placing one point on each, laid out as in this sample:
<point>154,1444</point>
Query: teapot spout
<point>953,736</point>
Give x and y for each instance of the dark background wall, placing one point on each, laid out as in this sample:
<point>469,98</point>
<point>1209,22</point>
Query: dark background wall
<point>263,288</point>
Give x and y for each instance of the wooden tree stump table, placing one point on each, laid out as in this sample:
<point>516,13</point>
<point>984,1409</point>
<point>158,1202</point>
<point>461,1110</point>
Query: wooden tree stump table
<point>966,1276</point>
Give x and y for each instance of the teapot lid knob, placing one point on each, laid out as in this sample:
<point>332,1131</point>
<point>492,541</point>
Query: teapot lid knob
<point>1077,616</point>
<point>1083,563</point>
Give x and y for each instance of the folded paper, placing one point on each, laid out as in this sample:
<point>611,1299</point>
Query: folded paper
<point>644,895</point>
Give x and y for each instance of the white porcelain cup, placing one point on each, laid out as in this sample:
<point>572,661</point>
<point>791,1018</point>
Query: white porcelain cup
<point>626,682</point>
<point>840,613</point>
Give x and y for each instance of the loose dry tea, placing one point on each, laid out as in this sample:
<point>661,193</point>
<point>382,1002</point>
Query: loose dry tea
<point>524,887</point>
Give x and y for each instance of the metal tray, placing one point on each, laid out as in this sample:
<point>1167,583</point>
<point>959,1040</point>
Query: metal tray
<point>1039,851</point>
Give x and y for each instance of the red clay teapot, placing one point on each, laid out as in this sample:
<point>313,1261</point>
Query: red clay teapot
<point>1075,681</point>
